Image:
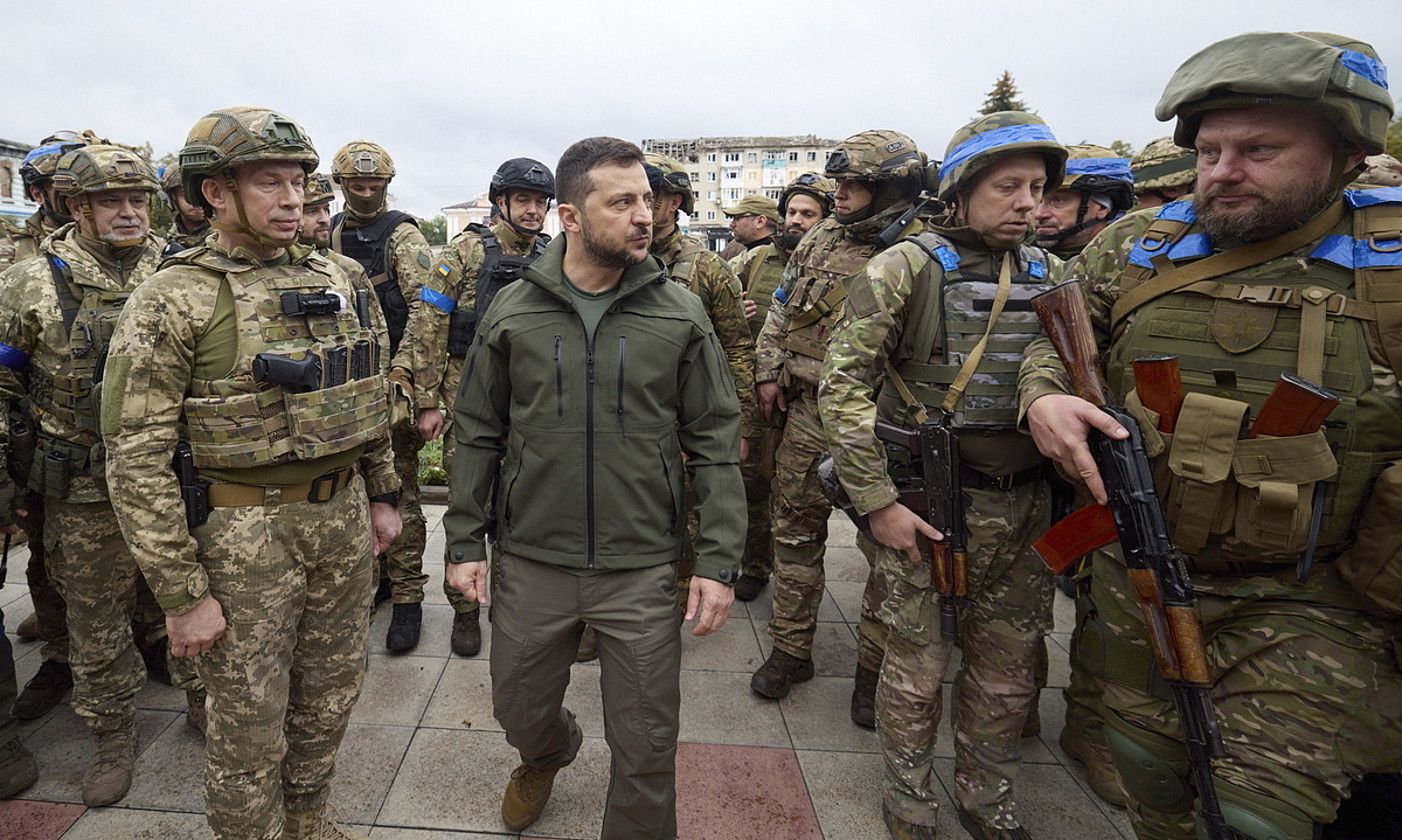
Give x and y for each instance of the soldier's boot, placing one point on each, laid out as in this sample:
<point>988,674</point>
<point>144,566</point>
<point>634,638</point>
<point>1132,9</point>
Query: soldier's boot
<point>980,830</point>
<point>318,824</point>
<point>902,830</point>
<point>44,691</point>
<point>154,655</point>
<point>195,716</point>
<point>467,634</point>
<point>526,795</point>
<point>864,697</point>
<point>18,769</point>
<point>588,645</point>
<point>778,674</point>
<point>108,776</point>
<point>403,635</point>
<point>383,593</point>
<point>1032,727</point>
<point>748,587</point>
<point>1100,767</point>
<point>28,630</point>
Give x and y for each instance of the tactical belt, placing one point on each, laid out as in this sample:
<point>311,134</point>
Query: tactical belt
<point>319,490</point>
<point>970,477</point>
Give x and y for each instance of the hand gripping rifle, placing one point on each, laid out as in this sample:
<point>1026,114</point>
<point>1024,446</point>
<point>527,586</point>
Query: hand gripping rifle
<point>1157,569</point>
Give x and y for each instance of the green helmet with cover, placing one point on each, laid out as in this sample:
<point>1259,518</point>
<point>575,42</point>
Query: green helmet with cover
<point>666,174</point>
<point>361,159</point>
<point>1163,165</point>
<point>887,162</point>
<point>170,178</point>
<point>811,184</point>
<point>1096,170</point>
<point>991,137</point>
<point>98,168</point>
<point>1338,77</point>
<point>318,190</point>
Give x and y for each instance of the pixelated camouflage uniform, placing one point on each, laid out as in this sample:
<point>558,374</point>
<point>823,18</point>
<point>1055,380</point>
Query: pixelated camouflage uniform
<point>292,575</point>
<point>812,288</point>
<point>760,271</point>
<point>22,242</point>
<point>423,353</point>
<point>44,370</point>
<point>408,261</point>
<point>181,238</point>
<point>707,276</point>
<point>1308,692</point>
<point>891,307</point>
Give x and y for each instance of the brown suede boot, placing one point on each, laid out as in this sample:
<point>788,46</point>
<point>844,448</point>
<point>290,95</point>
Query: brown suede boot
<point>526,795</point>
<point>29,628</point>
<point>588,645</point>
<point>319,824</point>
<point>779,673</point>
<point>1100,767</point>
<point>467,633</point>
<point>108,777</point>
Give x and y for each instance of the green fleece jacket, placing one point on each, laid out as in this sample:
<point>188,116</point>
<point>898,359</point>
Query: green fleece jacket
<point>590,438</point>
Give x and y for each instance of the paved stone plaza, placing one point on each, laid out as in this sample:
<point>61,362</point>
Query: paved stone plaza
<point>424,758</point>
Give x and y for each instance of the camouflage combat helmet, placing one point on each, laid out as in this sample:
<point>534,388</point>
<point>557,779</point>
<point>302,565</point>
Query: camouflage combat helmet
<point>1333,75</point>
<point>318,190</point>
<point>361,159</point>
<point>810,184</point>
<point>665,174</point>
<point>97,168</point>
<point>994,136</point>
<point>170,177</point>
<point>878,157</point>
<point>1163,165</point>
<point>1096,170</point>
<point>1380,171</point>
<point>521,174</point>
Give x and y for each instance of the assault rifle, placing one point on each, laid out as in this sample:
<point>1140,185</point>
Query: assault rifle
<point>1157,569</point>
<point>924,465</point>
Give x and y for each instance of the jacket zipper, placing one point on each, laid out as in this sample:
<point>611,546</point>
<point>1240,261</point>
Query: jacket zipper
<point>589,448</point>
<point>622,348</point>
<point>559,382</point>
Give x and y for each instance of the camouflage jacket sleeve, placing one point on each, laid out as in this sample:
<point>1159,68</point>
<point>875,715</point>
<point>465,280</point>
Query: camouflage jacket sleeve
<point>451,284</point>
<point>733,331</point>
<point>19,334</point>
<point>863,340</point>
<point>149,368</point>
<point>409,258</point>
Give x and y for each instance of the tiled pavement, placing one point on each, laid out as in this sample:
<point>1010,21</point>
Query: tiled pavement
<point>424,758</point>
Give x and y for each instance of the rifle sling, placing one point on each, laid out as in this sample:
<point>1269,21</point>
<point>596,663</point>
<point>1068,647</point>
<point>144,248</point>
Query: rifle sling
<point>1226,262</point>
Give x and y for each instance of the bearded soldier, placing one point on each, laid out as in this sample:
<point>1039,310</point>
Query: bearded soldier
<point>1272,267</point>
<point>397,259</point>
<point>879,175</point>
<point>443,318</point>
<point>251,366</point>
<point>806,201</point>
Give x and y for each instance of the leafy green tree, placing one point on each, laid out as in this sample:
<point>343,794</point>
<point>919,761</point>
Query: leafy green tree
<point>1123,148</point>
<point>435,230</point>
<point>1004,96</point>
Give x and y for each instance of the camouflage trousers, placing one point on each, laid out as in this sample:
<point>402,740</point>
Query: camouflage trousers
<point>295,584</point>
<point>1308,695</point>
<point>758,474</point>
<point>403,561</point>
<point>1001,624</point>
<point>800,517</point>
<point>49,609</point>
<point>96,575</point>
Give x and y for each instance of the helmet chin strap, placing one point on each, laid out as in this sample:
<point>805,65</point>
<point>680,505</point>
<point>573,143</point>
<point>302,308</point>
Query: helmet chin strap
<point>243,228</point>
<point>525,233</point>
<point>86,206</point>
<point>1081,224</point>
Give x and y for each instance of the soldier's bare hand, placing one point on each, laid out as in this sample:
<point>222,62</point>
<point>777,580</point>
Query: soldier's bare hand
<point>712,600</point>
<point>744,450</point>
<point>896,526</point>
<point>750,307</point>
<point>431,423</point>
<point>1060,425</point>
<point>468,578</point>
<point>770,397</point>
<point>196,631</point>
<point>384,524</point>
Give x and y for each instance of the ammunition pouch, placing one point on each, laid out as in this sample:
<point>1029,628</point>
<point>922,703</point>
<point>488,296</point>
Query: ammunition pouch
<point>57,462</point>
<point>909,608</point>
<point>22,443</point>
<point>1373,564</point>
<point>462,325</point>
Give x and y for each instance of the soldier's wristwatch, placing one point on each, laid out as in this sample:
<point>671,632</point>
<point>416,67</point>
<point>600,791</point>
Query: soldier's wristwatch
<point>391,499</point>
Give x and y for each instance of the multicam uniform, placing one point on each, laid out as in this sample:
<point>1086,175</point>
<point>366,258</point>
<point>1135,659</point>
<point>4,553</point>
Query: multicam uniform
<point>1308,691</point>
<point>21,243</point>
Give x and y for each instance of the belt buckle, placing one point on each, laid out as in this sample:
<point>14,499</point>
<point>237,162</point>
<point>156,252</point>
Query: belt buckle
<point>328,481</point>
<point>1003,482</point>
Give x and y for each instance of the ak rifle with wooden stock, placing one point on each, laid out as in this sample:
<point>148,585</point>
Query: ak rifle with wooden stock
<point>1157,568</point>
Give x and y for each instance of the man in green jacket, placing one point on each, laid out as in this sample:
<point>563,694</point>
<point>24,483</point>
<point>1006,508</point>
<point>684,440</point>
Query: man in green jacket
<point>592,378</point>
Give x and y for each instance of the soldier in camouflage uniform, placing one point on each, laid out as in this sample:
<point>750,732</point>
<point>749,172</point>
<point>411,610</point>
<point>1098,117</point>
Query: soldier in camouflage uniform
<point>879,175</point>
<point>443,318</point>
<point>190,226</point>
<point>806,201</point>
<point>317,195</point>
<point>1163,171</point>
<point>55,323</point>
<point>246,348</point>
<point>1308,692</point>
<point>1098,189</point>
<point>935,326</point>
<point>397,259</point>
<point>753,222</point>
<point>706,275</point>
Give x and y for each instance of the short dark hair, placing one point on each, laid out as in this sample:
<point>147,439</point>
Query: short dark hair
<point>572,183</point>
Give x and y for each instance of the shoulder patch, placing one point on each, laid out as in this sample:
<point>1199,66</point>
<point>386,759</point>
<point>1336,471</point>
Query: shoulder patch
<point>424,261</point>
<point>861,300</point>
<point>444,269</point>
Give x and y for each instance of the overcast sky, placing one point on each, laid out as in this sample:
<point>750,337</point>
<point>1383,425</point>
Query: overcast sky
<point>454,88</point>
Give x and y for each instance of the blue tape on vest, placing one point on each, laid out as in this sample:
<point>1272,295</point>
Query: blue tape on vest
<point>1178,211</point>
<point>13,357</point>
<point>1192,246</point>
<point>1347,252</point>
<point>1004,136</point>
<point>1037,270</point>
<point>438,300</point>
<point>780,295</point>
<point>1366,66</point>
<point>949,259</point>
<point>1367,198</point>
<point>1117,168</point>
<point>58,262</point>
